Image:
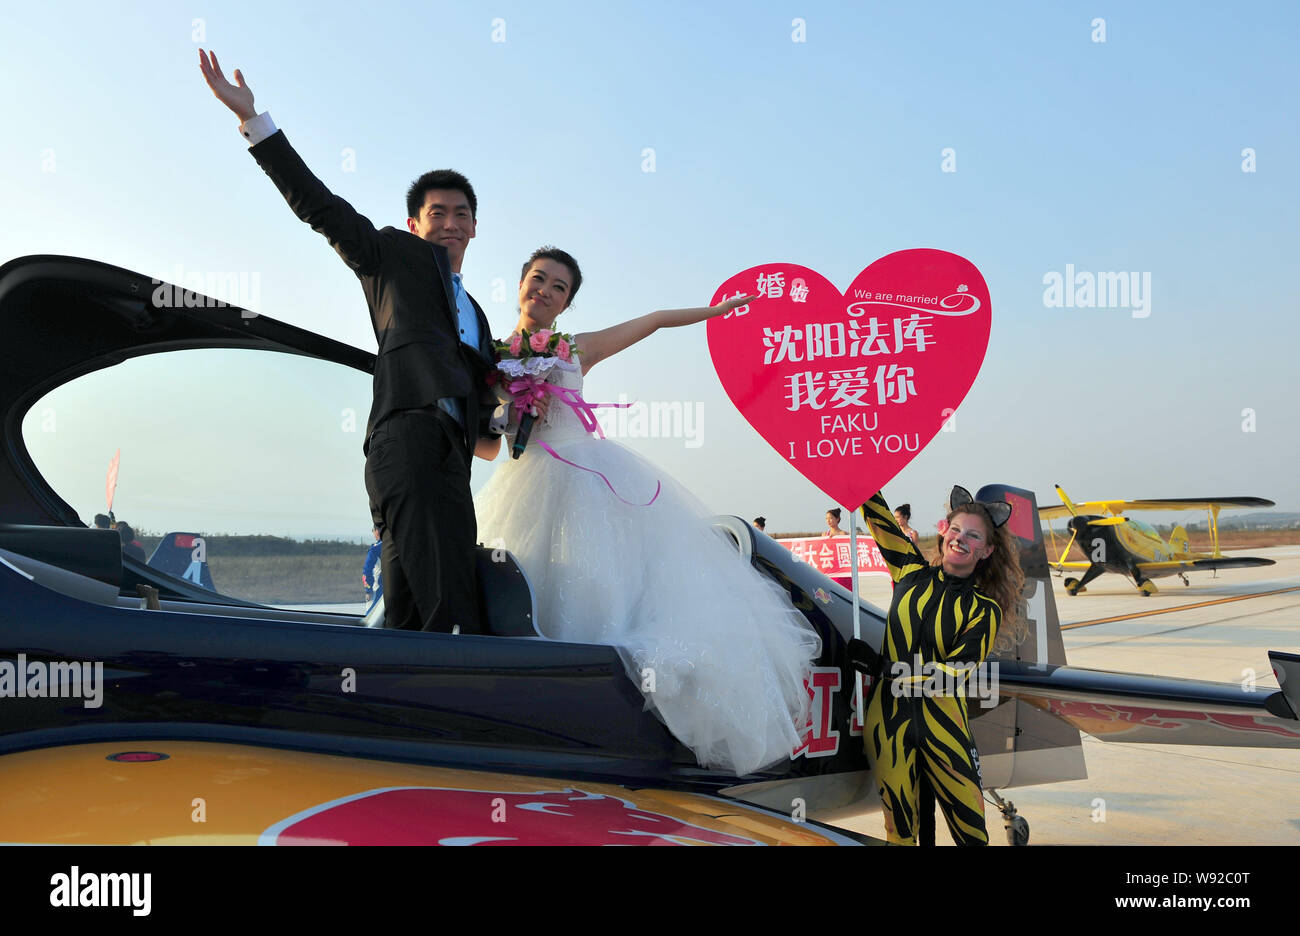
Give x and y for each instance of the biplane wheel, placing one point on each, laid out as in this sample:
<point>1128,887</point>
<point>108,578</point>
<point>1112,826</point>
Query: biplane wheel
<point>1148,588</point>
<point>1071,586</point>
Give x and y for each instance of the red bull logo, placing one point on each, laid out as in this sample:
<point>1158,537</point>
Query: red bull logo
<point>431,815</point>
<point>1109,719</point>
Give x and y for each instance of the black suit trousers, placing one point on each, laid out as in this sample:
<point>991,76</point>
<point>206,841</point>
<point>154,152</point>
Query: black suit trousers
<point>417,476</point>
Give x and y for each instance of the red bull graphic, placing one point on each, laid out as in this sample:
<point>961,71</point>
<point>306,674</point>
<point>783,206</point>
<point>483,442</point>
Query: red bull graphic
<point>442,816</point>
<point>1099,719</point>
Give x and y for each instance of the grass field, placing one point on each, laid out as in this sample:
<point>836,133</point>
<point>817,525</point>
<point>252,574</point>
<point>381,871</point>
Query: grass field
<point>281,580</point>
<point>279,571</point>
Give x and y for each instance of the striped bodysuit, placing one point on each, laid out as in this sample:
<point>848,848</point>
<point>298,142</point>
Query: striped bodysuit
<point>942,620</point>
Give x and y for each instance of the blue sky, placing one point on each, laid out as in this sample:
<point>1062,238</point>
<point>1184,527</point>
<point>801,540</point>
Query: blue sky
<point>1122,155</point>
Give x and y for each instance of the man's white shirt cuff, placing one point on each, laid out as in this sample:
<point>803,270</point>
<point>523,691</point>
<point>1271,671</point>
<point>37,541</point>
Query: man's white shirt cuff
<point>256,129</point>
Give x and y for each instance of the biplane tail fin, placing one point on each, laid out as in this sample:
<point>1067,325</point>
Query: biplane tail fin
<point>1065,499</point>
<point>1178,542</point>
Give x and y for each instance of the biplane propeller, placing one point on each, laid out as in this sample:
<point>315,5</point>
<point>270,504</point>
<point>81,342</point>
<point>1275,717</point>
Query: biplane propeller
<point>1115,543</point>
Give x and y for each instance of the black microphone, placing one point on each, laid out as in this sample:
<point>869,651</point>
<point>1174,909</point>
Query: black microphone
<point>521,437</point>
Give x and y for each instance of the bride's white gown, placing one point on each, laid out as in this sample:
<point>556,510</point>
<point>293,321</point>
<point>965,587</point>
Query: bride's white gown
<point>725,650</point>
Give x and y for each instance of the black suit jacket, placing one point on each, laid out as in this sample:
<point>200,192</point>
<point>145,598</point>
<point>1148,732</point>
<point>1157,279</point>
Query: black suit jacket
<point>407,283</point>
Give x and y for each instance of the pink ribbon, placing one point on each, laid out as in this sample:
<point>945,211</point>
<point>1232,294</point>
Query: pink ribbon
<point>529,390</point>
<point>658,484</point>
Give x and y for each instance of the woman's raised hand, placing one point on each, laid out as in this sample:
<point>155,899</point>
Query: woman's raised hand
<point>238,97</point>
<point>722,308</point>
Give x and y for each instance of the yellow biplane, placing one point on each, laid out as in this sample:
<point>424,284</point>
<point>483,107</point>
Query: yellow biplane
<point>1115,543</point>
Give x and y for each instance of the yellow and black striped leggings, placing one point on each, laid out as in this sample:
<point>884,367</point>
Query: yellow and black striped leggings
<point>905,735</point>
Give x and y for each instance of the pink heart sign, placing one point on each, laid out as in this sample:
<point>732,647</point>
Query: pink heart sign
<point>849,387</point>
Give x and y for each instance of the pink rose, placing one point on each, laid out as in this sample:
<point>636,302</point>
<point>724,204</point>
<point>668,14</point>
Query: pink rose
<point>562,350</point>
<point>540,340</point>
<point>516,344</point>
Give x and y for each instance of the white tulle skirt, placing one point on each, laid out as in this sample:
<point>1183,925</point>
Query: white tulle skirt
<point>717,649</point>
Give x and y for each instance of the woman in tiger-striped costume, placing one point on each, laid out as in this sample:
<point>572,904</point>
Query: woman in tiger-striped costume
<point>944,613</point>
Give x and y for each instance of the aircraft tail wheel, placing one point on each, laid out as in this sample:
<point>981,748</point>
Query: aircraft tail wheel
<point>1148,588</point>
<point>1071,586</point>
<point>1186,581</point>
<point>1015,824</point>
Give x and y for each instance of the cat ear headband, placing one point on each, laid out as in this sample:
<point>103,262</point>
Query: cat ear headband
<point>999,511</point>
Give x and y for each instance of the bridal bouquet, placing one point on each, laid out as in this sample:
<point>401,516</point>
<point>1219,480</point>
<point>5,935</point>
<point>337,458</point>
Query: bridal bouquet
<point>525,361</point>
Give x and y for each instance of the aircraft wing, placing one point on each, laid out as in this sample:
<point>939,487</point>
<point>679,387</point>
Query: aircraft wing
<point>1088,507</point>
<point>1105,507</point>
<point>1196,503</point>
<point>1195,565</point>
<point>1116,507</point>
<point>1161,709</point>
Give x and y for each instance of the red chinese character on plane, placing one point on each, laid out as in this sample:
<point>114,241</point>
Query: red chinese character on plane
<point>819,738</point>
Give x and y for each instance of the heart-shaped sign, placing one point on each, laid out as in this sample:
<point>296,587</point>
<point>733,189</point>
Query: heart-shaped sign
<point>850,387</point>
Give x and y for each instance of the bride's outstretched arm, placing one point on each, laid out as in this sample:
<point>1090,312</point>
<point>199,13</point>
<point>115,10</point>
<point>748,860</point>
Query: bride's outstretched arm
<point>596,346</point>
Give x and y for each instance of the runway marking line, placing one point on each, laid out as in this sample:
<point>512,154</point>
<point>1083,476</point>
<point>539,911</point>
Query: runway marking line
<point>1186,607</point>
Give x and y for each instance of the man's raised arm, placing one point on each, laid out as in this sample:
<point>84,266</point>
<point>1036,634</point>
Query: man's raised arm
<point>349,232</point>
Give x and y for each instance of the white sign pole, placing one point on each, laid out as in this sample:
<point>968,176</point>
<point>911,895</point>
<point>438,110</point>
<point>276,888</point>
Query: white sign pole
<point>857,610</point>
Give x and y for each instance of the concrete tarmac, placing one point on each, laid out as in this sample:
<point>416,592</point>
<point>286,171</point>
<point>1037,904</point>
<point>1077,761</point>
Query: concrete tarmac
<point>1157,794</point>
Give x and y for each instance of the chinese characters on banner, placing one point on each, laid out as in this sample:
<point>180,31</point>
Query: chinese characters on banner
<point>830,555</point>
<point>849,387</point>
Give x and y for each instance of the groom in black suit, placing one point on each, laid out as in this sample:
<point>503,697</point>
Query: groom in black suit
<point>431,400</point>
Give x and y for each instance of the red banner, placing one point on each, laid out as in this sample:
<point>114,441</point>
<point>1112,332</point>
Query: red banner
<point>830,555</point>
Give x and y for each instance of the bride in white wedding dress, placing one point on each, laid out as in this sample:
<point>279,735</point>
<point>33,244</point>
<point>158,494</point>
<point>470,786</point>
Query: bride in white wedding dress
<point>716,648</point>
